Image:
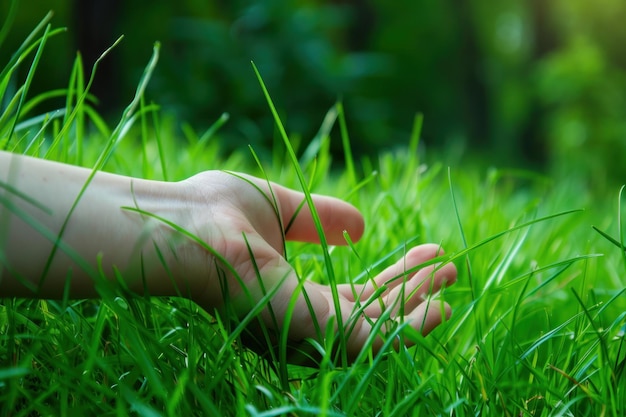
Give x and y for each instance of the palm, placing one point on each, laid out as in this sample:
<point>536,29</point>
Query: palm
<point>244,229</point>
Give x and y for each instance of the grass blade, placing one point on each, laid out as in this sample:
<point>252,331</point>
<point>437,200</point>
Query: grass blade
<point>314,214</point>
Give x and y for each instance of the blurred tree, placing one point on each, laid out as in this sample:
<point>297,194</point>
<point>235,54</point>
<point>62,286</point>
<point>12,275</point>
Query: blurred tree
<point>504,48</point>
<point>545,42</point>
<point>527,80</point>
<point>581,85</point>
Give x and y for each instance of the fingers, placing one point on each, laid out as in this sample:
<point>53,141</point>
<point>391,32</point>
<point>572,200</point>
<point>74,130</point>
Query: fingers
<point>397,273</point>
<point>426,317</point>
<point>427,281</point>
<point>403,291</point>
<point>336,216</point>
<point>308,308</point>
<point>416,256</point>
<point>262,270</point>
<point>258,273</point>
<point>429,315</point>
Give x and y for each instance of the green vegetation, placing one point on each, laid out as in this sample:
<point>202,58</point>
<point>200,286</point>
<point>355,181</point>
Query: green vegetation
<point>539,308</point>
<point>532,83</point>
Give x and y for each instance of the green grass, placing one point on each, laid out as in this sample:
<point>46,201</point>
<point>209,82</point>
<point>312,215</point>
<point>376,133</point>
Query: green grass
<point>539,308</point>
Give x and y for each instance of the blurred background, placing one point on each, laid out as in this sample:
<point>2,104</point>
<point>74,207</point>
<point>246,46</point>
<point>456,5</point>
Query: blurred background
<point>522,83</point>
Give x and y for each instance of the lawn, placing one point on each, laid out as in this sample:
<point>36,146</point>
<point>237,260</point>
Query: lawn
<point>539,306</point>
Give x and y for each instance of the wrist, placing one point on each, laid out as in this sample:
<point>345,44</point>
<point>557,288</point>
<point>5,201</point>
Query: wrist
<point>55,228</point>
<point>165,258</point>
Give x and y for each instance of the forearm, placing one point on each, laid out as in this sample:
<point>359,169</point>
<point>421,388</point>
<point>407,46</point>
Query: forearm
<point>69,235</point>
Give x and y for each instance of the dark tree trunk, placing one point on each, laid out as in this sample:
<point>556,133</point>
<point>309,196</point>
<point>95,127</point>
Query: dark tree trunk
<point>96,26</point>
<point>534,146</point>
<point>474,90</point>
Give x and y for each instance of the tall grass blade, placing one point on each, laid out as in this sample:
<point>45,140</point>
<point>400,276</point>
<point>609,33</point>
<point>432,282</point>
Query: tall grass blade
<point>76,89</point>
<point>126,118</point>
<point>24,49</point>
<point>26,86</point>
<point>79,102</point>
<point>418,123</point>
<point>160,145</point>
<point>345,142</point>
<point>316,219</point>
<point>8,21</point>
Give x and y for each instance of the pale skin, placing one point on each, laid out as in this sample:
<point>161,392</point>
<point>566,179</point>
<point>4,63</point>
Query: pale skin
<point>124,224</point>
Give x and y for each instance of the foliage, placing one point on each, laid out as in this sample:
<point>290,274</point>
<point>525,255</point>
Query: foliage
<point>538,327</point>
<point>528,82</point>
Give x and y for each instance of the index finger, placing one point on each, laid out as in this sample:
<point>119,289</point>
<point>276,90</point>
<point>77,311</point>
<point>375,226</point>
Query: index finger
<point>336,215</point>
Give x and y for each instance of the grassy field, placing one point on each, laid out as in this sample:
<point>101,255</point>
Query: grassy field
<point>539,306</point>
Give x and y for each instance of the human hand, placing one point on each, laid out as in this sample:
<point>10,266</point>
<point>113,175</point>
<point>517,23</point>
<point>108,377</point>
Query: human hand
<point>234,215</point>
<point>216,237</point>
